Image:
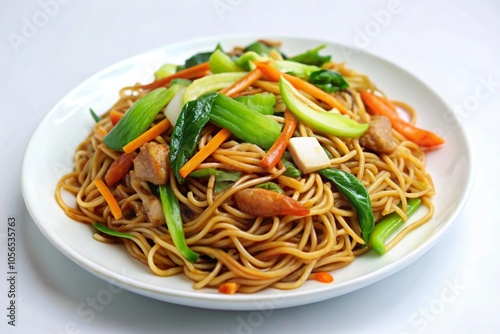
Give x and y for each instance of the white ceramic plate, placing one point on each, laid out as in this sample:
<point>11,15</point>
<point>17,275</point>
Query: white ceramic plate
<point>50,150</point>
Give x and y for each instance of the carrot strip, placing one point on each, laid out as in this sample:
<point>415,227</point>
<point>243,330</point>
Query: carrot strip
<point>276,151</point>
<point>119,168</point>
<point>115,116</point>
<point>188,73</point>
<point>243,83</point>
<point>229,288</point>
<point>205,152</point>
<point>116,211</point>
<point>147,136</point>
<point>274,75</point>
<point>384,107</point>
<point>323,277</point>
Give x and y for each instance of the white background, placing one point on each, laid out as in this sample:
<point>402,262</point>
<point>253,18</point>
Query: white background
<point>49,47</point>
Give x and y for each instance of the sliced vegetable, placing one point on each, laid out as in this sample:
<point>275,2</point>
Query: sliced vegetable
<point>323,277</point>
<point>211,83</point>
<point>229,288</point>
<point>326,122</point>
<point>312,57</point>
<point>261,48</point>
<point>221,62</point>
<point>114,207</point>
<point>273,156</point>
<point>243,83</point>
<point>356,194</point>
<point>244,123</point>
<point>147,136</point>
<point>296,69</point>
<point>261,102</point>
<point>184,139</point>
<point>174,108</point>
<point>389,225</point>
<point>290,169</point>
<point>172,212</point>
<point>380,106</point>
<point>205,152</point>
<point>139,117</point>
<point>199,58</point>
<point>274,75</point>
<point>165,70</point>
<point>245,61</point>
<point>271,186</point>
<point>94,115</point>
<point>329,81</point>
<point>188,73</point>
<point>106,230</point>
<point>115,116</point>
<point>119,168</point>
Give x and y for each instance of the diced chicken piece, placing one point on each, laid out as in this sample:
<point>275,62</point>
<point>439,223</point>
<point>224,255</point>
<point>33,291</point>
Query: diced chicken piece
<point>308,154</point>
<point>378,136</point>
<point>150,203</point>
<point>152,163</point>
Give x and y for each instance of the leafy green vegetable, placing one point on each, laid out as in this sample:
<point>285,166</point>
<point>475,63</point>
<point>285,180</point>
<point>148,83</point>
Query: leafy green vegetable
<point>106,230</point>
<point>271,186</point>
<point>390,224</point>
<point>199,58</point>
<point>312,57</point>
<point>326,122</point>
<point>290,169</point>
<point>262,102</point>
<point>94,115</point>
<point>220,62</point>
<point>139,117</point>
<point>223,178</point>
<point>172,212</point>
<point>261,49</point>
<point>357,195</point>
<point>184,139</point>
<point>244,123</point>
<point>329,81</point>
<point>245,60</point>
<point>165,70</point>
<point>210,83</point>
<point>295,68</point>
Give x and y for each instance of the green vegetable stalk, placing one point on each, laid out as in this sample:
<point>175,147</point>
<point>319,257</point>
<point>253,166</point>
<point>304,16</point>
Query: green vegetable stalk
<point>220,62</point>
<point>106,230</point>
<point>390,224</point>
<point>357,195</point>
<point>140,116</point>
<point>262,102</point>
<point>323,121</point>
<point>172,212</point>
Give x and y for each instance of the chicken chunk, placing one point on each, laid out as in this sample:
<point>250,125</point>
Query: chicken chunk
<point>150,203</point>
<point>152,163</point>
<point>378,136</point>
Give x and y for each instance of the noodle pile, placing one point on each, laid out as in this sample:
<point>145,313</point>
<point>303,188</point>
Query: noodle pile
<point>255,252</point>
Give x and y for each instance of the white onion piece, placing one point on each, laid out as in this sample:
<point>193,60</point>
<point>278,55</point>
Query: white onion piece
<point>174,108</point>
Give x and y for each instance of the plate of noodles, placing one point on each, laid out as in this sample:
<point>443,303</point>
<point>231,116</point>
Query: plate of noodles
<point>243,173</point>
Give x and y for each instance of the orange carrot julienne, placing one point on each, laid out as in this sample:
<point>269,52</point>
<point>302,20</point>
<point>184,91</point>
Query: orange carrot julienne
<point>274,74</point>
<point>323,277</point>
<point>229,288</point>
<point>116,211</point>
<point>205,152</point>
<point>115,116</point>
<point>276,151</point>
<point>147,136</point>
<point>381,106</point>
<point>188,73</point>
<point>243,83</point>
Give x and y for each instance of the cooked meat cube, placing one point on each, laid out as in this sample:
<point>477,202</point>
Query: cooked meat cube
<point>378,136</point>
<point>150,203</point>
<point>152,163</point>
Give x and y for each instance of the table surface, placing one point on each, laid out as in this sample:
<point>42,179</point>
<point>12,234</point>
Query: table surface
<point>50,46</point>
